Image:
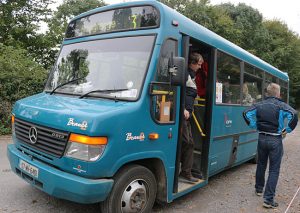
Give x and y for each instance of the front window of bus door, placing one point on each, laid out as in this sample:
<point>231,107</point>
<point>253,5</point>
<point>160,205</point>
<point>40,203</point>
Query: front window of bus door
<point>164,95</point>
<point>108,68</point>
<point>228,79</point>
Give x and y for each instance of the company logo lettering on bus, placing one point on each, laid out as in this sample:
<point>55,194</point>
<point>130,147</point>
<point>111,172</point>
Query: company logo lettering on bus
<point>227,121</point>
<point>82,125</point>
<point>130,137</point>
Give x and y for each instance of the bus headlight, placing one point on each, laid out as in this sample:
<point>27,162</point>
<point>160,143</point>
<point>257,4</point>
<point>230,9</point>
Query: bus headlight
<point>85,148</point>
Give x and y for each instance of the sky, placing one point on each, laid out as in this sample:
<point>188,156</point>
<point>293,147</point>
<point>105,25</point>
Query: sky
<point>287,11</point>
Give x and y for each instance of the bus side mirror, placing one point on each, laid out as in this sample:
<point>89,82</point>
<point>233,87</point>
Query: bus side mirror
<point>177,71</point>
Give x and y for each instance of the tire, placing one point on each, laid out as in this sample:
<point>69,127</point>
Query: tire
<point>134,190</point>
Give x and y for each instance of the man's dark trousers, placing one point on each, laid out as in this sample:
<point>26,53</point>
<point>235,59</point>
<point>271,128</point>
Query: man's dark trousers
<point>187,148</point>
<point>268,147</point>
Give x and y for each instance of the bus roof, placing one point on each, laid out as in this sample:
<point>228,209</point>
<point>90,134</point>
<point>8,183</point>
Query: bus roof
<point>197,31</point>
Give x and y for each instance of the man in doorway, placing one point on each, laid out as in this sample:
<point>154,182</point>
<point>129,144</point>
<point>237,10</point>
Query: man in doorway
<point>268,116</point>
<point>195,62</point>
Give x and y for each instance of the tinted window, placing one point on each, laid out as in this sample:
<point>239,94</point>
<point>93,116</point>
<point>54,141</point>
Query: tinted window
<point>269,79</point>
<point>283,90</point>
<point>114,20</point>
<point>164,96</point>
<point>252,85</point>
<point>228,79</point>
<point>163,102</point>
<point>169,48</point>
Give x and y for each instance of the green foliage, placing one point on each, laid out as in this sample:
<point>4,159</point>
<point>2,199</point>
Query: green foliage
<point>284,52</point>
<point>60,19</point>
<point>246,28</point>
<point>222,24</point>
<point>19,22</point>
<point>20,76</point>
<point>5,117</point>
<point>194,9</point>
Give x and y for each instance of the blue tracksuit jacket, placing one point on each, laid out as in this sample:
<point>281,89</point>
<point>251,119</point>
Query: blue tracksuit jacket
<point>269,116</point>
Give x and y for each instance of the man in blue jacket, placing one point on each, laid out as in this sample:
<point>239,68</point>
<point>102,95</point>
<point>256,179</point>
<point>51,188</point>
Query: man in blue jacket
<point>268,117</point>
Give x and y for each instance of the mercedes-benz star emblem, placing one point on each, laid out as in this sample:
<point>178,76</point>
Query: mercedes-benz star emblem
<point>33,135</point>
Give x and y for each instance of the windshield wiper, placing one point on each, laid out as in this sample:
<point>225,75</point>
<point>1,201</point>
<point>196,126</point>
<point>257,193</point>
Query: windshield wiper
<point>68,82</point>
<point>102,90</point>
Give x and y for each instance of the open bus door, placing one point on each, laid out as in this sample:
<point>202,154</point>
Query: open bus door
<point>201,119</point>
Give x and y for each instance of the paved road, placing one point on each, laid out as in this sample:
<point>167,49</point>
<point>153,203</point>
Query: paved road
<point>231,191</point>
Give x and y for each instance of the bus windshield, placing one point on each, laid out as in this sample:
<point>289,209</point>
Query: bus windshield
<point>112,68</point>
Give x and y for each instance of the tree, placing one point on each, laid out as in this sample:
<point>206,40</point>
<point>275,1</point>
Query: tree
<point>224,25</point>
<point>215,18</point>
<point>19,22</point>
<point>178,5</point>
<point>65,12</point>
<point>251,34</point>
<point>284,53</point>
<point>193,9</point>
<point>20,76</point>
<point>59,20</point>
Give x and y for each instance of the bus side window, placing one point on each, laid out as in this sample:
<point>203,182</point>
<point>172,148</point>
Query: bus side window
<point>252,85</point>
<point>269,79</point>
<point>228,79</point>
<point>162,103</point>
<point>283,90</point>
<point>163,98</point>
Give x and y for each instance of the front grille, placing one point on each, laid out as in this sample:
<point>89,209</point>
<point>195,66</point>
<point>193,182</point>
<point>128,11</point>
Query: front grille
<point>48,140</point>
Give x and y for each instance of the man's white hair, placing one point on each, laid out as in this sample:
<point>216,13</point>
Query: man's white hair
<point>273,90</point>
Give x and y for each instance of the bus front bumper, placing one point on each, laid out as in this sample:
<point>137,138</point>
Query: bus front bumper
<point>58,183</point>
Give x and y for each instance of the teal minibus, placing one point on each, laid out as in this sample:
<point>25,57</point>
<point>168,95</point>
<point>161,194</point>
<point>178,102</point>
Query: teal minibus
<point>107,127</point>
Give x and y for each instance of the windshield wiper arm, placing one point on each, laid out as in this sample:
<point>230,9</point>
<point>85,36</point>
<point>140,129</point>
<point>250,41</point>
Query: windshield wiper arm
<point>68,82</point>
<point>102,90</point>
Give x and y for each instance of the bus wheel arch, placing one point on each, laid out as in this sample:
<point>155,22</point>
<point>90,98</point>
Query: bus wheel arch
<point>134,190</point>
<point>158,169</point>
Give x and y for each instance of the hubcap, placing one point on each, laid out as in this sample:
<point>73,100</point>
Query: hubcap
<point>134,198</point>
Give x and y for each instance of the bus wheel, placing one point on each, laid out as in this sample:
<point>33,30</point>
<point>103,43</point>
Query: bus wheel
<point>134,190</point>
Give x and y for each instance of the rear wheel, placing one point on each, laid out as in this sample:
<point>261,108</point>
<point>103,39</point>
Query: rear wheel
<point>134,190</point>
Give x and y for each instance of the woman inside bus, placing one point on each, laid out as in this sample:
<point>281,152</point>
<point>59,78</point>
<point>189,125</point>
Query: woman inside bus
<point>247,98</point>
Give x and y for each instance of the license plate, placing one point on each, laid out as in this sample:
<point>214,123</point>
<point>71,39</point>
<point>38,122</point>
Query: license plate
<point>32,170</point>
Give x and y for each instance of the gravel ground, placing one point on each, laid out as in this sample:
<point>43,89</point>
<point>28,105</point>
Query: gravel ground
<point>231,191</point>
